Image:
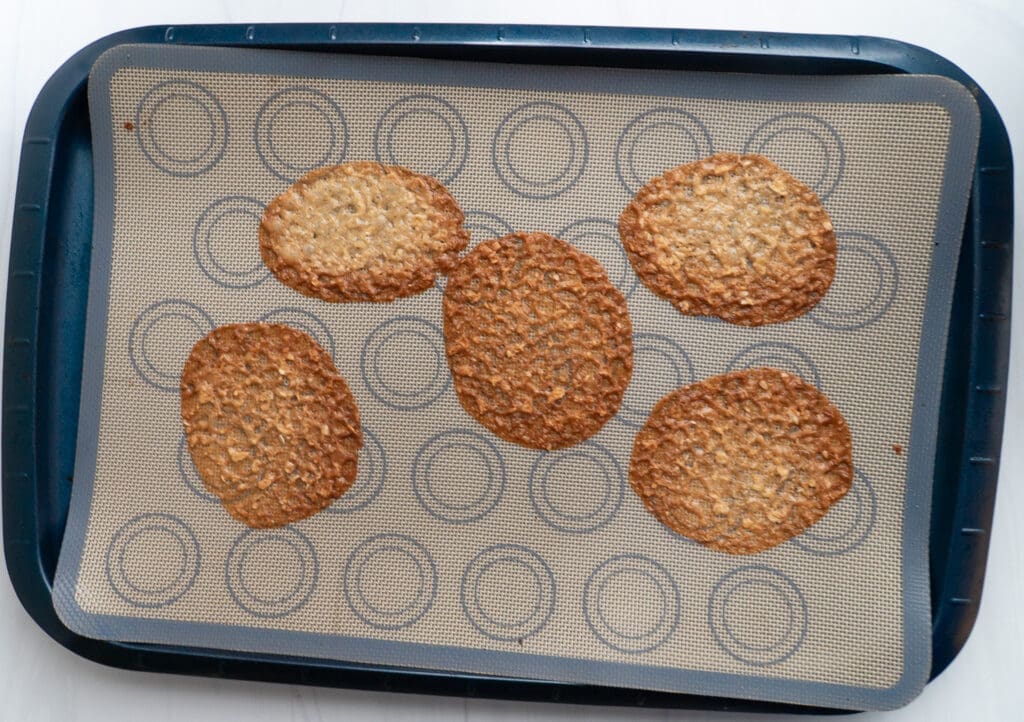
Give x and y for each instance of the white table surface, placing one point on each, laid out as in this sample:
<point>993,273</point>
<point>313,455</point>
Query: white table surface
<point>40,680</point>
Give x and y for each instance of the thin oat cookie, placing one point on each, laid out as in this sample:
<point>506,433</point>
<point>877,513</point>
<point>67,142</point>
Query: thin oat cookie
<point>743,461</point>
<point>272,427</point>
<point>538,340</point>
<point>362,232</point>
<point>732,236</point>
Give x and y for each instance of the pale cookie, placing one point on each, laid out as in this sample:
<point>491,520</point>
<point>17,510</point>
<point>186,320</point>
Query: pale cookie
<point>272,428</point>
<point>732,236</point>
<point>743,461</point>
<point>362,232</point>
<point>538,340</point>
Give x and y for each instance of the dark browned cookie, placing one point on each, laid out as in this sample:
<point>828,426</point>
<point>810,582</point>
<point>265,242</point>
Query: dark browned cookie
<point>362,232</point>
<point>732,236</point>
<point>743,461</point>
<point>272,428</point>
<point>539,341</point>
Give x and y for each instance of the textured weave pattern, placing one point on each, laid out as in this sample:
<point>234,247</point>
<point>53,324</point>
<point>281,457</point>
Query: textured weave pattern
<point>452,536</point>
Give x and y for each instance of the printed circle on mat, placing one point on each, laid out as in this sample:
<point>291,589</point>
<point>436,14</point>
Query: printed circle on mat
<point>779,355</point>
<point>540,150</point>
<point>806,146</point>
<point>370,477</point>
<point>223,242</point>
<point>659,366</point>
<point>271,572</point>
<point>578,489</point>
<point>847,524</point>
<point>631,603</point>
<point>161,338</point>
<point>403,363</point>
<point>181,128</point>
<point>600,239</point>
<point>657,140</point>
<point>482,226</point>
<point>390,581</point>
<point>757,615</point>
<point>458,476</point>
<point>508,592</point>
<point>864,287</point>
<point>190,475</point>
<point>302,320</point>
<point>153,560</point>
<point>299,129</point>
<point>423,133</point>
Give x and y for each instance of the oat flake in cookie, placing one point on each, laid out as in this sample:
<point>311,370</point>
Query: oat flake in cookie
<point>732,236</point>
<point>362,232</point>
<point>538,340</point>
<point>272,428</point>
<point>743,461</point>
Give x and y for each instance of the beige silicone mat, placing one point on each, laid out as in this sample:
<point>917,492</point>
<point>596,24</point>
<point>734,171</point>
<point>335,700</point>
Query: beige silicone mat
<point>456,550</point>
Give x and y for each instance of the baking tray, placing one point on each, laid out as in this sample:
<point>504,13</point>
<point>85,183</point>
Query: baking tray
<point>52,241</point>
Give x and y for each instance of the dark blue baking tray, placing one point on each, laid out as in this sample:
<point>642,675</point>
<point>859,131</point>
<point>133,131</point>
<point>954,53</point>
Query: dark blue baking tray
<point>49,277</point>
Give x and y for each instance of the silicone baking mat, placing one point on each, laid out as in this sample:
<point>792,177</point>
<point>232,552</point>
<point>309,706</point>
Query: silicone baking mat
<point>456,550</point>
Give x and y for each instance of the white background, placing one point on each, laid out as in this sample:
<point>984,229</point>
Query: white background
<point>39,680</point>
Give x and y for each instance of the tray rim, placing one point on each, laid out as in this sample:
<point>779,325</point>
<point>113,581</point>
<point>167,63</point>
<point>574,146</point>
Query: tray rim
<point>987,234</point>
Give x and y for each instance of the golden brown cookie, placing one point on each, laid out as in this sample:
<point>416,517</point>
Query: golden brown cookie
<point>743,461</point>
<point>538,340</point>
<point>362,232</point>
<point>732,236</point>
<point>272,428</point>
